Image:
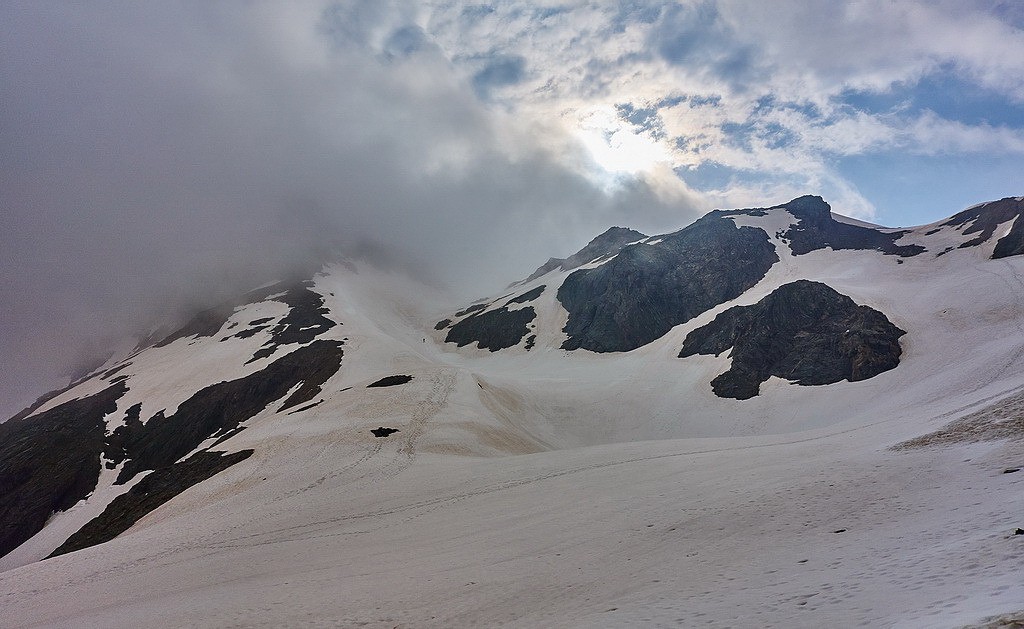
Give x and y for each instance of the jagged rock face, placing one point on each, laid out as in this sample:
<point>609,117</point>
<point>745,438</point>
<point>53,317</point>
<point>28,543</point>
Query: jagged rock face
<point>494,329</point>
<point>50,461</point>
<point>984,219</point>
<point>805,332</point>
<point>608,243</point>
<point>647,289</point>
<point>816,229</point>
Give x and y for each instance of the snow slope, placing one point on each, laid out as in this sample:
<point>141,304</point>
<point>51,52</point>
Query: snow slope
<point>574,489</point>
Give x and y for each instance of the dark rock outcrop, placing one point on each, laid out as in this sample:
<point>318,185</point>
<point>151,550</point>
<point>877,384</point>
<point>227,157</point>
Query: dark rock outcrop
<point>304,322</point>
<point>528,296</point>
<point>50,461</point>
<point>246,333</point>
<point>110,372</point>
<point>221,408</point>
<point>151,492</point>
<point>985,218</point>
<point>647,289</point>
<point>608,243</point>
<point>805,332</point>
<point>382,432</point>
<point>816,229</point>
<point>210,321</point>
<point>206,323</point>
<point>470,310</point>
<point>494,329</point>
<point>390,381</point>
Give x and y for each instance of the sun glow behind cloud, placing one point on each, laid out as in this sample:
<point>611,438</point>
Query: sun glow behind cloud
<point>615,148</point>
<point>755,102</point>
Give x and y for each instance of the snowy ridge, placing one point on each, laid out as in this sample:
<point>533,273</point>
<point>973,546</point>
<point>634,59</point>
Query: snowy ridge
<point>546,487</point>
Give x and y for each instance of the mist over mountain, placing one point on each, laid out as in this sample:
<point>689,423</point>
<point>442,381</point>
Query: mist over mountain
<point>388,313</point>
<point>161,160</point>
<point>340,411</point>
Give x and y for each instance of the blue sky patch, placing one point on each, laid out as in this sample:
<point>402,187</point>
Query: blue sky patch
<point>715,176</point>
<point>914,189</point>
<point>944,93</point>
<point>499,71</point>
<point>645,119</point>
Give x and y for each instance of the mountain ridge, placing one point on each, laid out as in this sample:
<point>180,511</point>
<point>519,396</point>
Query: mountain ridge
<point>754,345</point>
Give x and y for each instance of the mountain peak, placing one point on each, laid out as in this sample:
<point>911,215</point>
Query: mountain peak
<point>983,219</point>
<point>808,207</point>
<point>607,243</point>
<point>613,234</point>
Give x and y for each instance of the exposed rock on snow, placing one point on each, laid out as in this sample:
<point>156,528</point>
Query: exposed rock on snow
<point>805,332</point>
<point>470,310</point>
<point>50,461</point>
<point>148,494</point>
<point>494,329</point>
<point>304,322</point>
<point>985,218</point>
<point>528,296</point>
<point>817,229</point>
<point>209,322</point>
<point>647,289</point>
<point>220,409</point>
<point>608,243</point>
<point>390,381</point>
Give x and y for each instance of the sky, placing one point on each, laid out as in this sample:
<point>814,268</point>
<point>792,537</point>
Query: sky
<point>156,157</point>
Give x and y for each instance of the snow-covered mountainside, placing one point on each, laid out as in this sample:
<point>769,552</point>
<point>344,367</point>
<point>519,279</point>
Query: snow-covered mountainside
<point>774,417</point>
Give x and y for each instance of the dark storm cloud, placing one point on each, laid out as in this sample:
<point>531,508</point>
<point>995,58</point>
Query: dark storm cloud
<point>172,154</point>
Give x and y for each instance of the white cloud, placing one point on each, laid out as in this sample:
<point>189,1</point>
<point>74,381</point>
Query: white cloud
<point>929,134</point>
<point>586,58</point>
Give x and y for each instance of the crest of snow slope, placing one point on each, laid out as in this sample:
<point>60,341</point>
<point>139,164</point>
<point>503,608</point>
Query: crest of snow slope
<point>962,313</point>
<point>737,527</point>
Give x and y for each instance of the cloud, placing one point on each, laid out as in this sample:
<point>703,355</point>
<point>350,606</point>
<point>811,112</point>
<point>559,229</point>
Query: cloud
<point>499,71</point>
<point>696,38</point>
<point>761,89</point>
<point>156,156</point>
